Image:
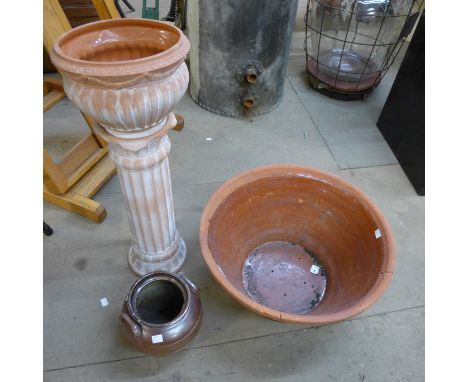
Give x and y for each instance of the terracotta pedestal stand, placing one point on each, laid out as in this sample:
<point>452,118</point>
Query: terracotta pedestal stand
<point>129,74</point>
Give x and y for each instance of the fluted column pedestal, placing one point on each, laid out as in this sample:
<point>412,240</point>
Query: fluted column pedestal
<point>145,179</point>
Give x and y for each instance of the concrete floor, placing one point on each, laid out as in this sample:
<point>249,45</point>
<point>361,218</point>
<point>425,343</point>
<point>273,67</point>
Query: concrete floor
<point>84,261</point>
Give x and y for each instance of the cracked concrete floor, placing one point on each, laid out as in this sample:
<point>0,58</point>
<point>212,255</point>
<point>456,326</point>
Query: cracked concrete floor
<point>84,261</point>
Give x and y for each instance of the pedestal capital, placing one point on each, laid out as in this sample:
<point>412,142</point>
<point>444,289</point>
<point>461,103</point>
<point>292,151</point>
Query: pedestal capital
<point>140,153</point>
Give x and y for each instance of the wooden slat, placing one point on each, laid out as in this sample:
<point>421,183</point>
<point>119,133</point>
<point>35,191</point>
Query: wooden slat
<point>101,9</point>
<point>78,154</point>
<point>113,12</point>
<point>54,83</point>
<point>106,9</point>
<point>78,21</point>
<point>53,177</point>
<point>78,204</point>
<point>86,166</point>
<point>95,178</point>
<point>52,98</point>
<point>55,23</point>
<point>80,12</point>
<point>75,3</point>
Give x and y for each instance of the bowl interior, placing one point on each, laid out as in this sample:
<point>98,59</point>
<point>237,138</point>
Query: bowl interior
<point>121,40</point>
<point>325,235</point>
<point>158,302</point>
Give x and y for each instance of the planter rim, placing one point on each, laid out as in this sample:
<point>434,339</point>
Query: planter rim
<point>162,60</point>
<point>249,176</point>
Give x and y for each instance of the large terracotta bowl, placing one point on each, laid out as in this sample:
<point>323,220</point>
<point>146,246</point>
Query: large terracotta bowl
<point>128,74</point>
<point>297,245</point>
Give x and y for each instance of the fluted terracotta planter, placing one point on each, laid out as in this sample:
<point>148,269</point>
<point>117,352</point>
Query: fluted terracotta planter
<point>297,245</point>
<point>129,74</point>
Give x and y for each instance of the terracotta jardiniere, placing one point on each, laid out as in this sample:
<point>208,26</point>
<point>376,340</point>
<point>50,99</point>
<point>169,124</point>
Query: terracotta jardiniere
<point>129,74</point>
<point>296,244</point>
<point>161,313</point>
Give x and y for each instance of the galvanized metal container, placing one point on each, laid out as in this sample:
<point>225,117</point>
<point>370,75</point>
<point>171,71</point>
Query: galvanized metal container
<point>239,53</point>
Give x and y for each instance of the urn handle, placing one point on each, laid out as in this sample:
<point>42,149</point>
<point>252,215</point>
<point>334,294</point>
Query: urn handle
<point>133,325</point>
<point>191,285</point>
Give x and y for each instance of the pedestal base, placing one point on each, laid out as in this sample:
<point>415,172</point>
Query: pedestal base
<point>143,264</point>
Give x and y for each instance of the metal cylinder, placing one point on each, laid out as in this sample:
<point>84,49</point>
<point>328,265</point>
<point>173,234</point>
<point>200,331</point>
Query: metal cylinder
<point>239,53</point>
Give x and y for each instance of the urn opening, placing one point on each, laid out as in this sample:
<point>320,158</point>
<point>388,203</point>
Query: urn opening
<point>159,302</point>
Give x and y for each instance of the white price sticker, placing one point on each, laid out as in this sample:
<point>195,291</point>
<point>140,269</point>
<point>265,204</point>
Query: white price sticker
<point>104,302</point>
<point>315,269</point>
<point>156,339</point>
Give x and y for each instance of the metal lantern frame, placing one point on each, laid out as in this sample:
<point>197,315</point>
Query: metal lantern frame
<point>367,81</point>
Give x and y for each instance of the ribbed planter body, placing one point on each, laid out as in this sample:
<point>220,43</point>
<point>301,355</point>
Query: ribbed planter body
<point>141,106</point>
<point>129,75</point>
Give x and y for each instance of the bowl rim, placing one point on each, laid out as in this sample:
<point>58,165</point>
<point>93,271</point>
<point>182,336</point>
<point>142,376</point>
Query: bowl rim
<point>162,60</point>
<point>249,176</point>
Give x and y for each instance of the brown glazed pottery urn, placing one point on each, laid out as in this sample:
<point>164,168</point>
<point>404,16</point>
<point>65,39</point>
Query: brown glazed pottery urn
<point>297,245</point>
<point>161,313</point>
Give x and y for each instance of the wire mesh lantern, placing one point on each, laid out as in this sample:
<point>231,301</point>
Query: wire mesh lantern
<point>351,44</point>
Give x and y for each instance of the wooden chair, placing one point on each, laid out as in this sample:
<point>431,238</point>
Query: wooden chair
<point>83,170</point>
